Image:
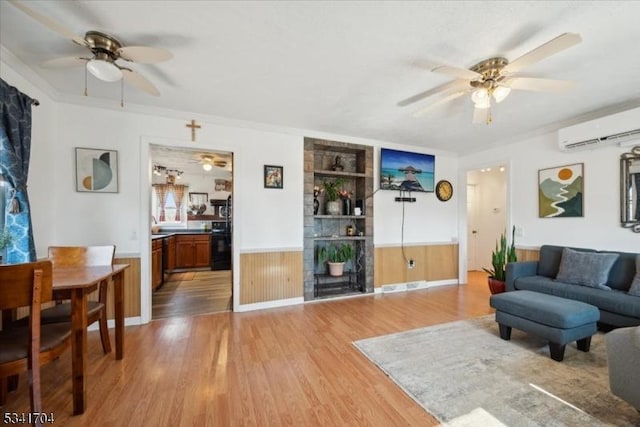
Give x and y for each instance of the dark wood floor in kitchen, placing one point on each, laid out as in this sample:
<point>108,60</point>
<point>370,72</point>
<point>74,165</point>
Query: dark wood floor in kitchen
<point>193,292</point>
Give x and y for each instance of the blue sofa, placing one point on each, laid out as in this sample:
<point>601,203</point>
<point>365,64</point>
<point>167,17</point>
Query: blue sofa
<point>617,307</point>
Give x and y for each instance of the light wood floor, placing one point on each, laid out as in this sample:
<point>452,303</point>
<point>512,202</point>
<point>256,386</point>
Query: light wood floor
<point>289,366</point>
<point>192,293</point>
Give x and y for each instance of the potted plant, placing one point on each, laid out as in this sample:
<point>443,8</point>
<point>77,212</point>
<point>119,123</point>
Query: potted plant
<point>332,191</point>
<point>5,240</point>
<point>336,256</point>
<point>503,254</point>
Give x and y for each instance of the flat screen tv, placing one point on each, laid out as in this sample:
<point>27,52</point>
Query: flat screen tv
<point>405,171</point>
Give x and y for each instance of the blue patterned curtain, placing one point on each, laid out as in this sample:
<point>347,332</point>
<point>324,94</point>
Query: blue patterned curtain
<point>15,147</point>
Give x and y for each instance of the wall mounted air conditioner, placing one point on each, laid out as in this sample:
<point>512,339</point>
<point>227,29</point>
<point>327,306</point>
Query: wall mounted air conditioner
<point>621,128</point>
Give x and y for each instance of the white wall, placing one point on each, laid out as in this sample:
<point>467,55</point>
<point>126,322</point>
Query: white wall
<point>599,228</point>
<point>428,220</point>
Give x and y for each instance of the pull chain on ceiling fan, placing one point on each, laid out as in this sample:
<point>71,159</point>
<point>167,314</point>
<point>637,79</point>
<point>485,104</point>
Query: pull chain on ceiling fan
<point>494,78</point>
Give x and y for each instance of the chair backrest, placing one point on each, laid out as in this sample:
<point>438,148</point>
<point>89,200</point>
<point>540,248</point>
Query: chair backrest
<point>17,283</point>
<point>75,256</point>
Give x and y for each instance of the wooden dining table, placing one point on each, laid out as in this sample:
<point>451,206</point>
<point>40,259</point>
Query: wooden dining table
<point>76,283</point>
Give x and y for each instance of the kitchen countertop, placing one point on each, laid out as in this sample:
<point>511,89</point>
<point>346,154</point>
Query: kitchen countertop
<point>172,232</point>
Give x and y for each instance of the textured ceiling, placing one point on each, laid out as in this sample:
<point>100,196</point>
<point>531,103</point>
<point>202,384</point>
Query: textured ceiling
<point>342,67</point>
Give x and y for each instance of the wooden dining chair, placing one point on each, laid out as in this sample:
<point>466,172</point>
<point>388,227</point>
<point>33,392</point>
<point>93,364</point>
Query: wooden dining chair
<point>76,256</point>
<point>26,348</point>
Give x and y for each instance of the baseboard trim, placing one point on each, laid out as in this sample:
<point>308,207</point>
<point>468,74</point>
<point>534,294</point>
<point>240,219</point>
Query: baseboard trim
<point>269,304</point>
<point>412,286</point>
<point>128,321</point>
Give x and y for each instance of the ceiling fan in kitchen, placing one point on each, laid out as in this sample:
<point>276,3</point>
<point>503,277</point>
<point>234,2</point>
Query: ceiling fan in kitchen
<point>208,161</point>
<point>108,57</point>
<point>494,78</point>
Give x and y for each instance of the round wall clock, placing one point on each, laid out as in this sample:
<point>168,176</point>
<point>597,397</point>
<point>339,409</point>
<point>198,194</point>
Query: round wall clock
<point>444,190</point>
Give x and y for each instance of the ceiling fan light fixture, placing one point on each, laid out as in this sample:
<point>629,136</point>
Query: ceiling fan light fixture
<point>480,98</point>
<point>500,93</point>
<point>207,166</point>
<point>104,70</point>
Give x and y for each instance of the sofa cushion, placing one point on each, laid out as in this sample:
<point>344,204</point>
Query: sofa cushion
<point>549,260</point>
<point>585,268</point>
<point>635,285</point>
<point>612,301</point>
<point>622,272</point>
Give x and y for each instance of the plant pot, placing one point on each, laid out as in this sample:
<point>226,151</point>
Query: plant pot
<point>336,269</point>
<point>334,208</point>
<point>496,286</point>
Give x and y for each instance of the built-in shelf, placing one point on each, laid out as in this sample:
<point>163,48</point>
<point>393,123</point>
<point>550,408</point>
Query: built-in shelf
<point>340,174</point>
<point>354,164</point>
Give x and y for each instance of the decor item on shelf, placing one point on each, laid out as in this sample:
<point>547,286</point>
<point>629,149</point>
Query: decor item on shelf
<point>336,256</point>
<point>331,189</point>
<point>346,201</point>
<point>503,254</point>
<point>337,164</point>
<point>561,191</point>
<point>351,230</point>
<point>317,190</point>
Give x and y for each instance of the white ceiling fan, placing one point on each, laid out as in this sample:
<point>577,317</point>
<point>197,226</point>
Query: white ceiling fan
<point>106,51</point>
<point>494,78</point>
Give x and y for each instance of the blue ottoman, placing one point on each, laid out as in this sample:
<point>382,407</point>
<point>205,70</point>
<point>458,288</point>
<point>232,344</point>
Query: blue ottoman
<point>556,319</point>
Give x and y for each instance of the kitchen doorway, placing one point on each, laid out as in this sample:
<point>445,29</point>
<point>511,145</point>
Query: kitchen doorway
<point>191,208</point>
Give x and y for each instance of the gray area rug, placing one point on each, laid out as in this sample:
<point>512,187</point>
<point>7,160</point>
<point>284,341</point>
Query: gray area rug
<point>463,369</point>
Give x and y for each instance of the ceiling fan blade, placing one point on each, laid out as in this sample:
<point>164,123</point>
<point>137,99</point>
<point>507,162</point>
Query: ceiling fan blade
<point>460,73</point>
<point>50,23</point>
<point>144,54</point>
<point>67,62</point>
<point>441,101</point>
<point>454,85</point>
<point>541,85</point>
<point>139,81</point>
<point>560,43</point>
<point>481,115</point>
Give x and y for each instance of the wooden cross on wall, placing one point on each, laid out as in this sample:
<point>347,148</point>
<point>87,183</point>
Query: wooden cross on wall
<point>193,127</point>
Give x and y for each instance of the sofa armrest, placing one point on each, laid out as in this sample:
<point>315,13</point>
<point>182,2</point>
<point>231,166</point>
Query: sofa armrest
<point>622,355</point>
<point>519,269</point>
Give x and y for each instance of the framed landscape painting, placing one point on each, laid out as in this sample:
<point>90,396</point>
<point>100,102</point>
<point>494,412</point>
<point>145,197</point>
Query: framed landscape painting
<point>561,191</point>
<point>96,170</point>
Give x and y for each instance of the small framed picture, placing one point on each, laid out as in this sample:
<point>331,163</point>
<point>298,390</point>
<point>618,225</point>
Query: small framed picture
<point>96,170</point>
<point>273,177</point>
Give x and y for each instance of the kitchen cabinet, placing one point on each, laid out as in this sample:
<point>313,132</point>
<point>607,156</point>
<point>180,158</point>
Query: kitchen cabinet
<point>156,263</point>
<point>169,253</point>
<point>193,250</point>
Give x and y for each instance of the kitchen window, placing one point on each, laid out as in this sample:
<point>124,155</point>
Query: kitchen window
<point>169,204</point>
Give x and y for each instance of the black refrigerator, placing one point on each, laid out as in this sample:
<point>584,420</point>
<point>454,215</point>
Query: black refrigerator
<point>221,235</point>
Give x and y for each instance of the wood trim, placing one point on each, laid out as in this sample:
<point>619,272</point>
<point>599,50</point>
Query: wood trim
<point>528,254</point>
<point>270,276</point>
<point>432,262</point>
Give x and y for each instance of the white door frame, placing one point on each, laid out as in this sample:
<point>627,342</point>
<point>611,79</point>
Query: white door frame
<point>145,214</point>
<point>462,208</point>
